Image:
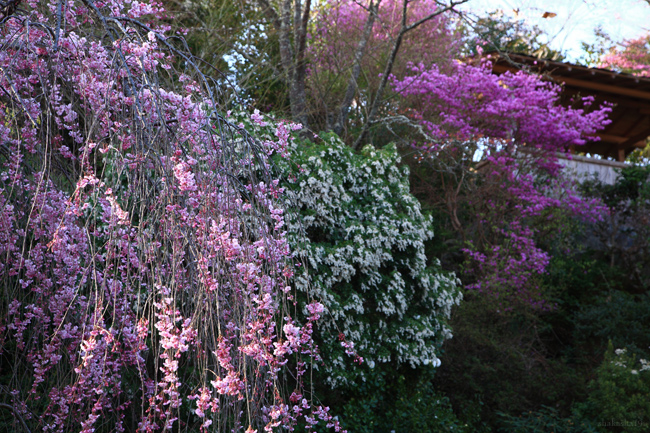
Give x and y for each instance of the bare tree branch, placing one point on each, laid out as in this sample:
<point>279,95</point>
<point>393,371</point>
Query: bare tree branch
<point>374,107</point>
<point>344,109</point>
<point>17,415</point>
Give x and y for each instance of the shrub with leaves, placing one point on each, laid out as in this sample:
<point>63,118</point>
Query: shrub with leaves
<point>391,401</point>
<point>364,244</point>
<point>623,239</point>
<point>619,396</point>
<point>544,420</point>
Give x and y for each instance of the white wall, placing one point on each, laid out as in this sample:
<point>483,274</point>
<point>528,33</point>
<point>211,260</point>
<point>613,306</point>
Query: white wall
<point>585,168</point>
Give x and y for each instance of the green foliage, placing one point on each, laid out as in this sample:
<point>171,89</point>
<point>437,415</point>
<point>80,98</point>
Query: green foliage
<point>498,32</point>
<point>503,363</point>
<point>619,394</point>
<point>362,236</point>
<point>399,403</point>
<point>239,46</point>
<point>595,51</point>
<point>365,236</point>
<point>640,156</point>
<point>623,241</point>
<point>545,420</point>
<point>632,185</point>
<point>618,316</point>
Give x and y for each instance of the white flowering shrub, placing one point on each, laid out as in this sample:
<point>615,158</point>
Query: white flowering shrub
<point>362,235</point>
<point>619,393</point>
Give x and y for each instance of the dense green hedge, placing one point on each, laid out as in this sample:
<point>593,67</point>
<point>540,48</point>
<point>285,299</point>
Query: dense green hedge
<point>364,244</point>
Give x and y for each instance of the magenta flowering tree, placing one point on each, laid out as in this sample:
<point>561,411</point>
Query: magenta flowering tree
<point>634,58</point>
<point>470,102</point>
<point>492,142</point>
<point>518,206</point>
<point>353,43</point>
<point>144,266</point>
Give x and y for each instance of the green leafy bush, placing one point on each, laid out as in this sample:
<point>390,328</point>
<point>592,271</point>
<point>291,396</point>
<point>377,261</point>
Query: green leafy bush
<point>544,420</point>
<point>395,402</point>
<point>503,363</point>
<point>632,185</point>
<point>623,240</point>
<point>618,400</point>
<point>363,235</point>
<point>617,316</point>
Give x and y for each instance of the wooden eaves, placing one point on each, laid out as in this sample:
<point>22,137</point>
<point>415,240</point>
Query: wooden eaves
<point>630,127</point>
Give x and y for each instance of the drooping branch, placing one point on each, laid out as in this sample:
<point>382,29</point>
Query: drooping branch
<point>17,414</point>
<point>88,88</point>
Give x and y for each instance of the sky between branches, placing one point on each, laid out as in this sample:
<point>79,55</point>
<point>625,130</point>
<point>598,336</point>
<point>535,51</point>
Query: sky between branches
<point>575,20</point>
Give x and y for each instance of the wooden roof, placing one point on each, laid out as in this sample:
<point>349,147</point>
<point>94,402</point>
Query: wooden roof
<point>630,116</point>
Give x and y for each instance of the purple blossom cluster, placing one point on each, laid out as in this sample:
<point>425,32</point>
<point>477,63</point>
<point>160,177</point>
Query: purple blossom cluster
<point>521,129</point>
<point>509,267</point>
<point>143,254</point>
<point>520,108</point>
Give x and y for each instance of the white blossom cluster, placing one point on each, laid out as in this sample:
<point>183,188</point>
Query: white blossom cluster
<point>621,360</point>
<point>362,235</point>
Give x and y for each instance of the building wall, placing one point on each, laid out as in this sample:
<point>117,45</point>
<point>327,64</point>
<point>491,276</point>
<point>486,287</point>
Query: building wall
<point>586,168</point>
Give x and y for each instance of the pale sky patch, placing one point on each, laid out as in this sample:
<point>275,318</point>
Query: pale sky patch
<point>575,20</point>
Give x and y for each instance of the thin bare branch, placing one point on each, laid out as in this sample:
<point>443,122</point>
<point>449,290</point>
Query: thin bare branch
<point>374,107</point>
<point>344,109</point>
<point>17,414</point>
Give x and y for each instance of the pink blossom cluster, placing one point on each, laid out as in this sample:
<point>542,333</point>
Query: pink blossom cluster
<point>340,22</point>
<point>634,58</point>
<point>338,29</point>
<point>144,258</point>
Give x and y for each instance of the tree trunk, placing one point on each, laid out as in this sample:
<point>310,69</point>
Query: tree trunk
<point>344,109</point>
<point>374,107</point>
<point>292,57</point>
